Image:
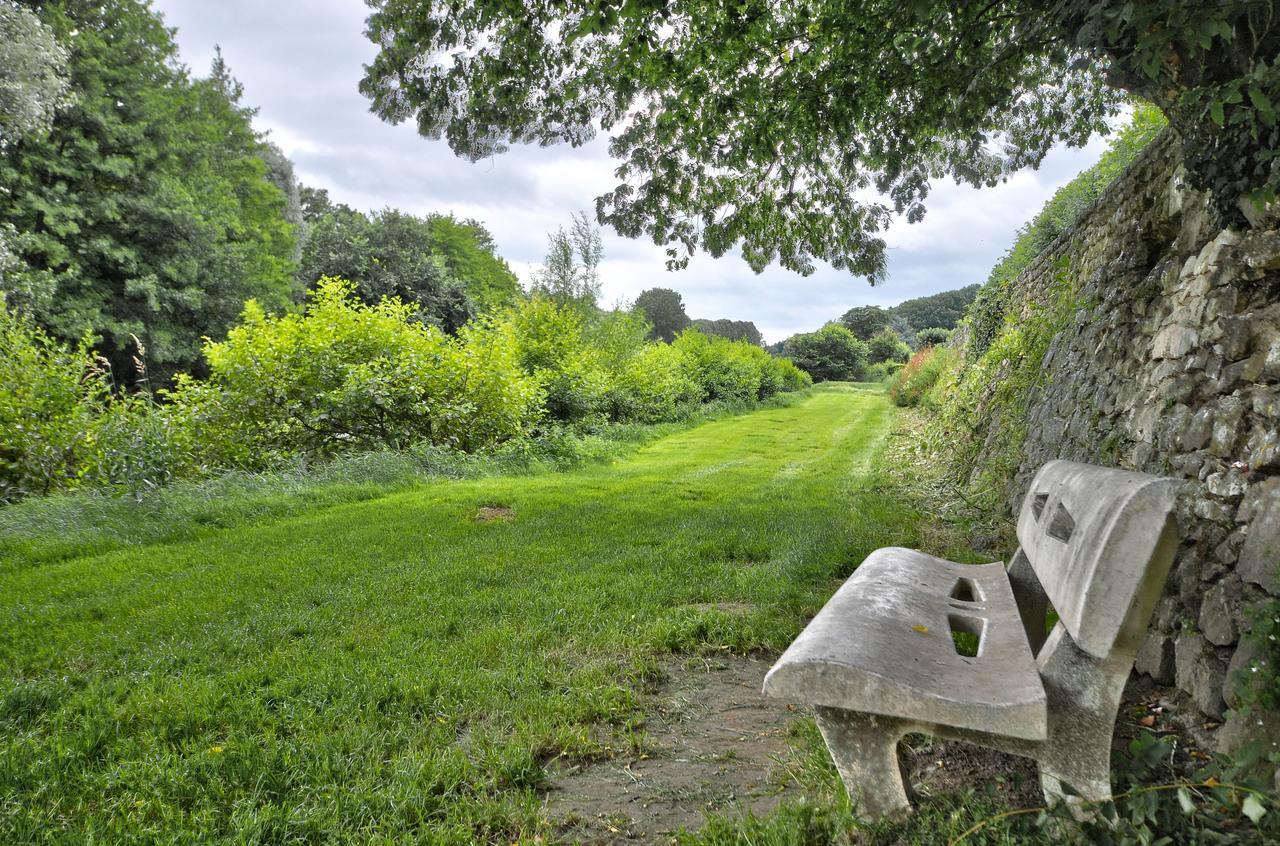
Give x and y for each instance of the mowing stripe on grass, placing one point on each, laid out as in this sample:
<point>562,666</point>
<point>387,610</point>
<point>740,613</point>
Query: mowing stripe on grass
<point>398,668</point>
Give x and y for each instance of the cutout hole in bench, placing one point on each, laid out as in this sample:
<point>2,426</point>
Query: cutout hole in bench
<point>966,634</point>
<point>966,590</point>
<point>1038,503</point>
<point>1062,524</point>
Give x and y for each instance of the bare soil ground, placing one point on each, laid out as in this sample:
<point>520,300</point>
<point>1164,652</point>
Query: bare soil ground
<point>713,739</point>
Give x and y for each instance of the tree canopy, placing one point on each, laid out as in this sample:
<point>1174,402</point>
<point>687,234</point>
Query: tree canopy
<point>33,78</point>
<point>830,354</point>
<point>444,268</point>
<point>734,330</point>
<point>865,321</point>
<point>570,274</point>
<point>764,125</point>
<point>146,211</point>
<point>664,309</point>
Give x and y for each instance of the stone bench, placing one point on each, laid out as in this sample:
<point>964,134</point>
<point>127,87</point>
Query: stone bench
<point>879,660</point>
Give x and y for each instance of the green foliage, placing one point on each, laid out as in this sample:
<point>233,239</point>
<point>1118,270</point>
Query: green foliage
<point>885,345</point>
<point>551,345</point>
<point>50,398</point>
<point>883,370</point>
<point>664,309</point>
<point>345,376</point>
<point>654,386</point>
<point>914,381</point>
<point>982,403</point>
<point>865,321</point>
<point>1258,683</point>
<point>986,314</point>
<point>1153,803</point>
<point>761,126</point>
<point>63,427</point>
<point>830,354</point>
<point>734,330</point>
<point>146,210</point>
<point>33,75</point>
<point>934,335</point>
<point>570,274</point>
<point>388,254</point>
<point>941,310</point>
<point>732,371</point>
<point>756,124</point>
<point>471,255</point>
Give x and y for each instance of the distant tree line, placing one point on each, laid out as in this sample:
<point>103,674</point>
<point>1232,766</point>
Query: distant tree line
<point>664,309</point>
<point>870,342</point>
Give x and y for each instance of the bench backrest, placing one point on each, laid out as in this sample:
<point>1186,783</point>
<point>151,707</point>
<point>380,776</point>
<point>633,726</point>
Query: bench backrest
<point>1098,538</point>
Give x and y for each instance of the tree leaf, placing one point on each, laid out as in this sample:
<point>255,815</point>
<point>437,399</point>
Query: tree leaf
<point>1252,808</point>
<point>1184,801</point>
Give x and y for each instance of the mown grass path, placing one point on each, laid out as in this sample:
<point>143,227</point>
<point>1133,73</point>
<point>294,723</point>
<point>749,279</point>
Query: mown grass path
<point>400,669</point>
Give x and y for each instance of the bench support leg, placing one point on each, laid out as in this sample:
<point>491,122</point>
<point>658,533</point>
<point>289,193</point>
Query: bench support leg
<point>865,750</point>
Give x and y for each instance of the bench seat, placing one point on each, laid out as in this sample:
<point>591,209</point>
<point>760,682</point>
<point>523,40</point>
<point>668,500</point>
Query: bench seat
<point>883,645</point>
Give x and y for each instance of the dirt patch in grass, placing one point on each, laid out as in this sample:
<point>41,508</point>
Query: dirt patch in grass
<point>712,740</point>
<point>938,766</point>
<point>494,514</point>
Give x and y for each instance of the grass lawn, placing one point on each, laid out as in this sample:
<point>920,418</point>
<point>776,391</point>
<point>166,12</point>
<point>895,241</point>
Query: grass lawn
<point>402,667</point>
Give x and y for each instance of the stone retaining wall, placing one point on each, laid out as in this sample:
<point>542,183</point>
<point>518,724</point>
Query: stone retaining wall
<point>1172,367</point>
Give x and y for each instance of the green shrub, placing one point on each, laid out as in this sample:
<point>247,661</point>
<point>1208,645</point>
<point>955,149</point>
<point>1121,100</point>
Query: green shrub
<point>793,378</point>
<point>63,427</point>
<point>914,380</point>
<point>551,345</point>
<point>652,386</point>
<point>885,345</point>
<point>719,367</point>
<point>833,353</point>
<point>50,398</point>
<point>883,370</point>
<point>934,336</point>
<point>345,377</point>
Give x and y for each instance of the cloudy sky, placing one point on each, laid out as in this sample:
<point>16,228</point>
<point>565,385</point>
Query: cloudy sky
<point>301,60</point>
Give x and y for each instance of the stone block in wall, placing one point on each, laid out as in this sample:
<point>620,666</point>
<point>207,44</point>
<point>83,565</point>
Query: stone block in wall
<point>1218,612</point>
<point>1260,557</point>
<point>1261,727</point>
<point>1246,660</point>
<point>1199,672</point>
<point>1156,658</point>
<point>1174,341</point>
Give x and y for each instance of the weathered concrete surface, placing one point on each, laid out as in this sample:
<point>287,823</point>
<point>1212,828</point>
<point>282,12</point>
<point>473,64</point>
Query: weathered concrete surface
<point>882,645</point>
<point>1101,540</point>
<point>1089,533</point>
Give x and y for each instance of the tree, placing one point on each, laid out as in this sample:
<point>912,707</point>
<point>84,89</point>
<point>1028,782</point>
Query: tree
<point>830,354</point>
<point>146,211</point>
<point>570,273</point>
<point>664,309</point>
<point>388,254</point>
<point>885,345</point>
<point>469,252</point>
<point>864,321</point>
<point>764,124</point>
<point>33,76</point>
<point>944,309</point>
<point>734,330</point>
